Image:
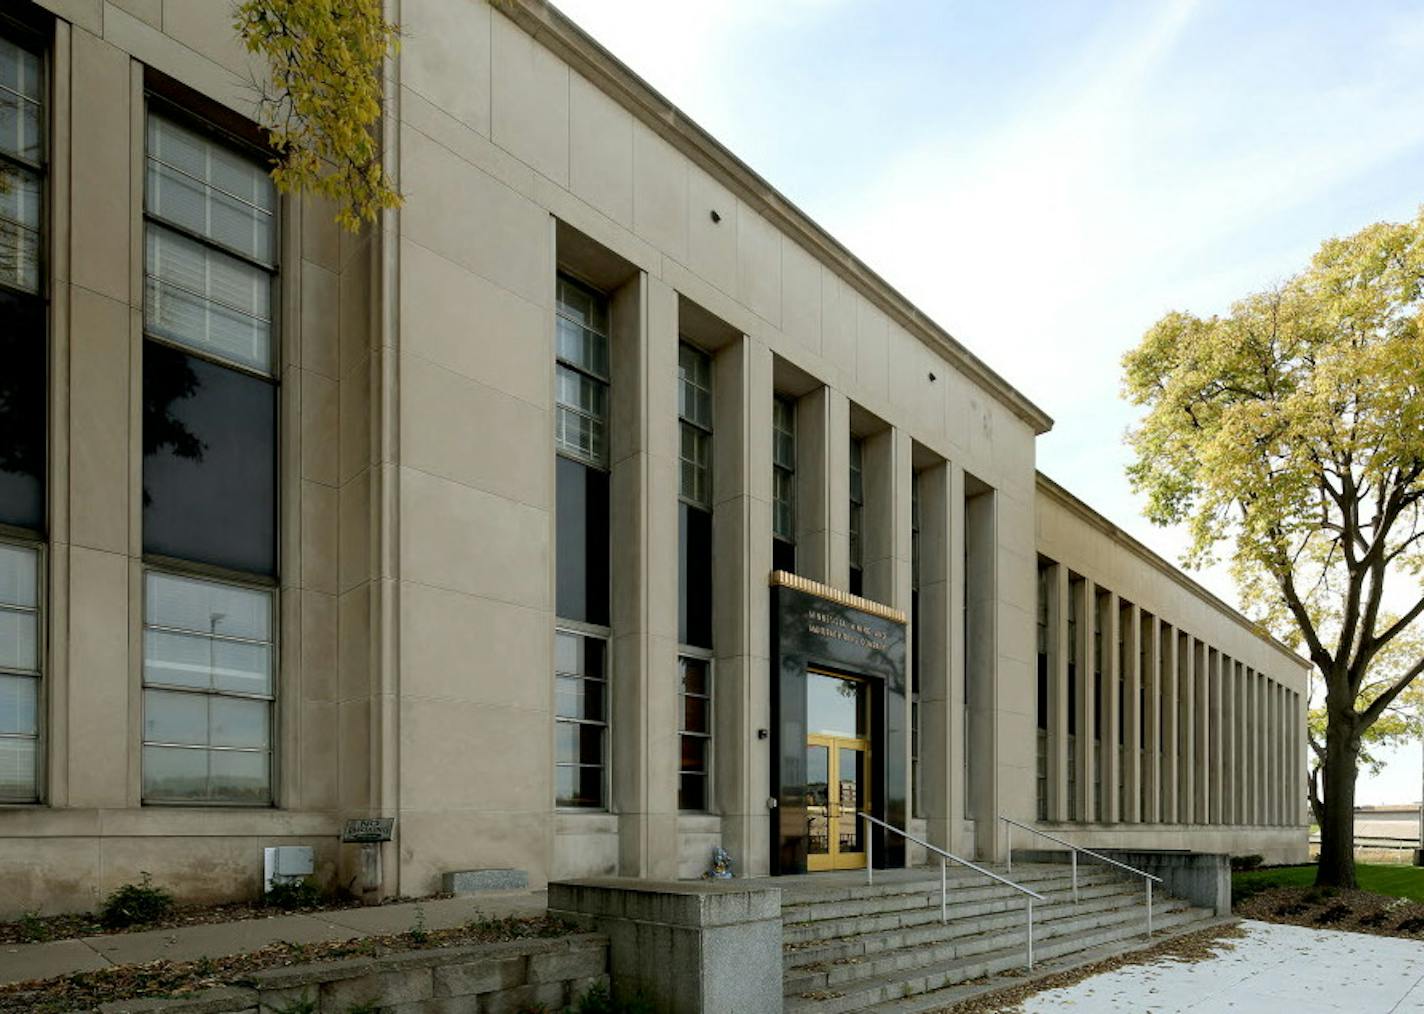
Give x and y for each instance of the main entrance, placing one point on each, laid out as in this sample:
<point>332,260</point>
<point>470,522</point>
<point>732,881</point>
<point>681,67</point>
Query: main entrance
<point>837,770</point>
<point>839,729</point>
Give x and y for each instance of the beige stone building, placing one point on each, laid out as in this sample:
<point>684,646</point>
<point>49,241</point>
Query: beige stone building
<point>595,509</point>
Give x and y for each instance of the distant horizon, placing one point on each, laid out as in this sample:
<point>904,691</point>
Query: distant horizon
<point>1094,167</point>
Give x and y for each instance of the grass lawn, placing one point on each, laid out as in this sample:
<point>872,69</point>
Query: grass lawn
<point>1395,881</point>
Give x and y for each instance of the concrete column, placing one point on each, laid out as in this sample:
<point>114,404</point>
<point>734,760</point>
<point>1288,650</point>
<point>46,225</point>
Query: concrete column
<point>741,561</point>
<point>1058,702</point>
<point>1241,769</point>
<point>1231,779</point>
<point>1171,684</point>
<point>1256,732</point>
<point>1110,710</point>
<point>1301,761</point>
<point>961,837</point>
<point>1132,728</point>
<point>823,486</point>
<point>888,475</point>
<point>1202,762</point>
<point>643,489</point>
<point>1186,730</point>
<point>1087,603</point>
<point>1152,719</point>
<point>938,615</point>
<point>981,659</point>
<point>1278,695</point>
<point>1216,759</point>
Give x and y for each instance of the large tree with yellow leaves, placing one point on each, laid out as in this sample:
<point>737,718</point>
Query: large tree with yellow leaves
<point>321,104</point>
<point>1290,432</point>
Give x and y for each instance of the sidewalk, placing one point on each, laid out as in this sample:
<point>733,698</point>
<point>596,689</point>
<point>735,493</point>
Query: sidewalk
<point>1273,968</point>
<point>20,962</point>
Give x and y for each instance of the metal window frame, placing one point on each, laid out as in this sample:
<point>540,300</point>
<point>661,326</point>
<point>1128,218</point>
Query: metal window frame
<point>274,725</point>
<point>605,463</point>
<point>38,674</point>
<point>604,634</point>
<point>709,738</point>
<point>29,39</point>
<point>705,430</point>
<point>157,106</point>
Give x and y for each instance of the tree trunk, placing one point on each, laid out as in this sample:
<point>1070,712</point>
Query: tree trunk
<point>1337,826</point>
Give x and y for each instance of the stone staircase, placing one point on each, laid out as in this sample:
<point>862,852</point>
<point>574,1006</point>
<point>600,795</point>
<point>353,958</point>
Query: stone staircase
<point>848,946</point>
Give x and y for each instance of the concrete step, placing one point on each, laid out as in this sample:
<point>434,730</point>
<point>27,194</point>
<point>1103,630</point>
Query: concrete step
<point>898,986</point>
<point>866,942</point>
<point>973,940</point>
<point>965,905</point>
<point>939,1000</point>
<point>890,882</point>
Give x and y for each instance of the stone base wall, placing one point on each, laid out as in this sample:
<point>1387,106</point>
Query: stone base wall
<point>491,978</point>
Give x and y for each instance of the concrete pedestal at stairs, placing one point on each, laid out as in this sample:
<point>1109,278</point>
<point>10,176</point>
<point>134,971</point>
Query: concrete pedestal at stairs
<point>688,947</point>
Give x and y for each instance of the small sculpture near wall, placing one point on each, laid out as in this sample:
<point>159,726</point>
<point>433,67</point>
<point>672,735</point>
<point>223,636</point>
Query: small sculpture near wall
<point>721,868</point>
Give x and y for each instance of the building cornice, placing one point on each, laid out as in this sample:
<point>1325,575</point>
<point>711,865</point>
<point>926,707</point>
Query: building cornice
<point>1067,500</point>
<point>563,37</point>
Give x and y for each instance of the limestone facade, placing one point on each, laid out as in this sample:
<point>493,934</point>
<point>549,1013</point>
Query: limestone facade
<point>416,520</point>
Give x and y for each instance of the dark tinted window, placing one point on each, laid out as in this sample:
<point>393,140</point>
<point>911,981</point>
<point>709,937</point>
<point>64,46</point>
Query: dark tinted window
<point>22,410</point>
<point>694,576</point>
<point>209,462</point>
<point>581,552</point>
<point>783,555</point>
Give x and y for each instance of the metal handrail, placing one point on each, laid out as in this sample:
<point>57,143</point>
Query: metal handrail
<point>1073,850</point>
<point>1030,896</point>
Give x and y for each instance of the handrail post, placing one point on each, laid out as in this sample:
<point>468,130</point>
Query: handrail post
<point>869,852</point>
<point>1030,933</point>
<point>1149,910</point>
<point>1009,843</point>
<point>1074,854</point>
<point>943,892</point>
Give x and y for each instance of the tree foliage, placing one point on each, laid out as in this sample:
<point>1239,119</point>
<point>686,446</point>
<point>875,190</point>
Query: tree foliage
<point>322,105</point>
<point>1291,432</point>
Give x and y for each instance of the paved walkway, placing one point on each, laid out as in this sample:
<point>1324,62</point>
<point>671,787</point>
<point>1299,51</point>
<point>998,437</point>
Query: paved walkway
<point>19,962</point>
<point>1274,968</point>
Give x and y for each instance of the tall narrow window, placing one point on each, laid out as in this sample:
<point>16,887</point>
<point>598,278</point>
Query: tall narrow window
<point>695,497</point>
<point>695,734</point>
<point>1124,618</point>
<point>581,719</point>
<point>208,691</point>
<point>582,589</point>
<point>1044,574</point>
<point>917,802</point>
<point>581,442</point>
<point>19,672</point>
<point>209,465</point>
<point>783,484</point>
<point>23,342</point>
<point>857,517</point>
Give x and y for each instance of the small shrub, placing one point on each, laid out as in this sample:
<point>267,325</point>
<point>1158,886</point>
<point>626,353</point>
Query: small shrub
<point>135,905</point>
<point>1250,862</point>
<point>290,895</point>
<point>418,932</point>
<point>1373,919</point>
<point>1414,924</point>
<point>33,928</point>
<point>1291,908</point>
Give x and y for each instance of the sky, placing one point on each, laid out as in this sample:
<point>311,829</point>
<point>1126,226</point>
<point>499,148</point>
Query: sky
<point>1048,179</point>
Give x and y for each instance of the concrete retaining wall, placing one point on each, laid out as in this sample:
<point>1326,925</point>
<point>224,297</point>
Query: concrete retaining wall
<point>1202,878</point>
<point>492,978</point>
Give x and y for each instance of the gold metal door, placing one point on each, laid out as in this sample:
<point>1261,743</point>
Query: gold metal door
<point>837,790</point>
